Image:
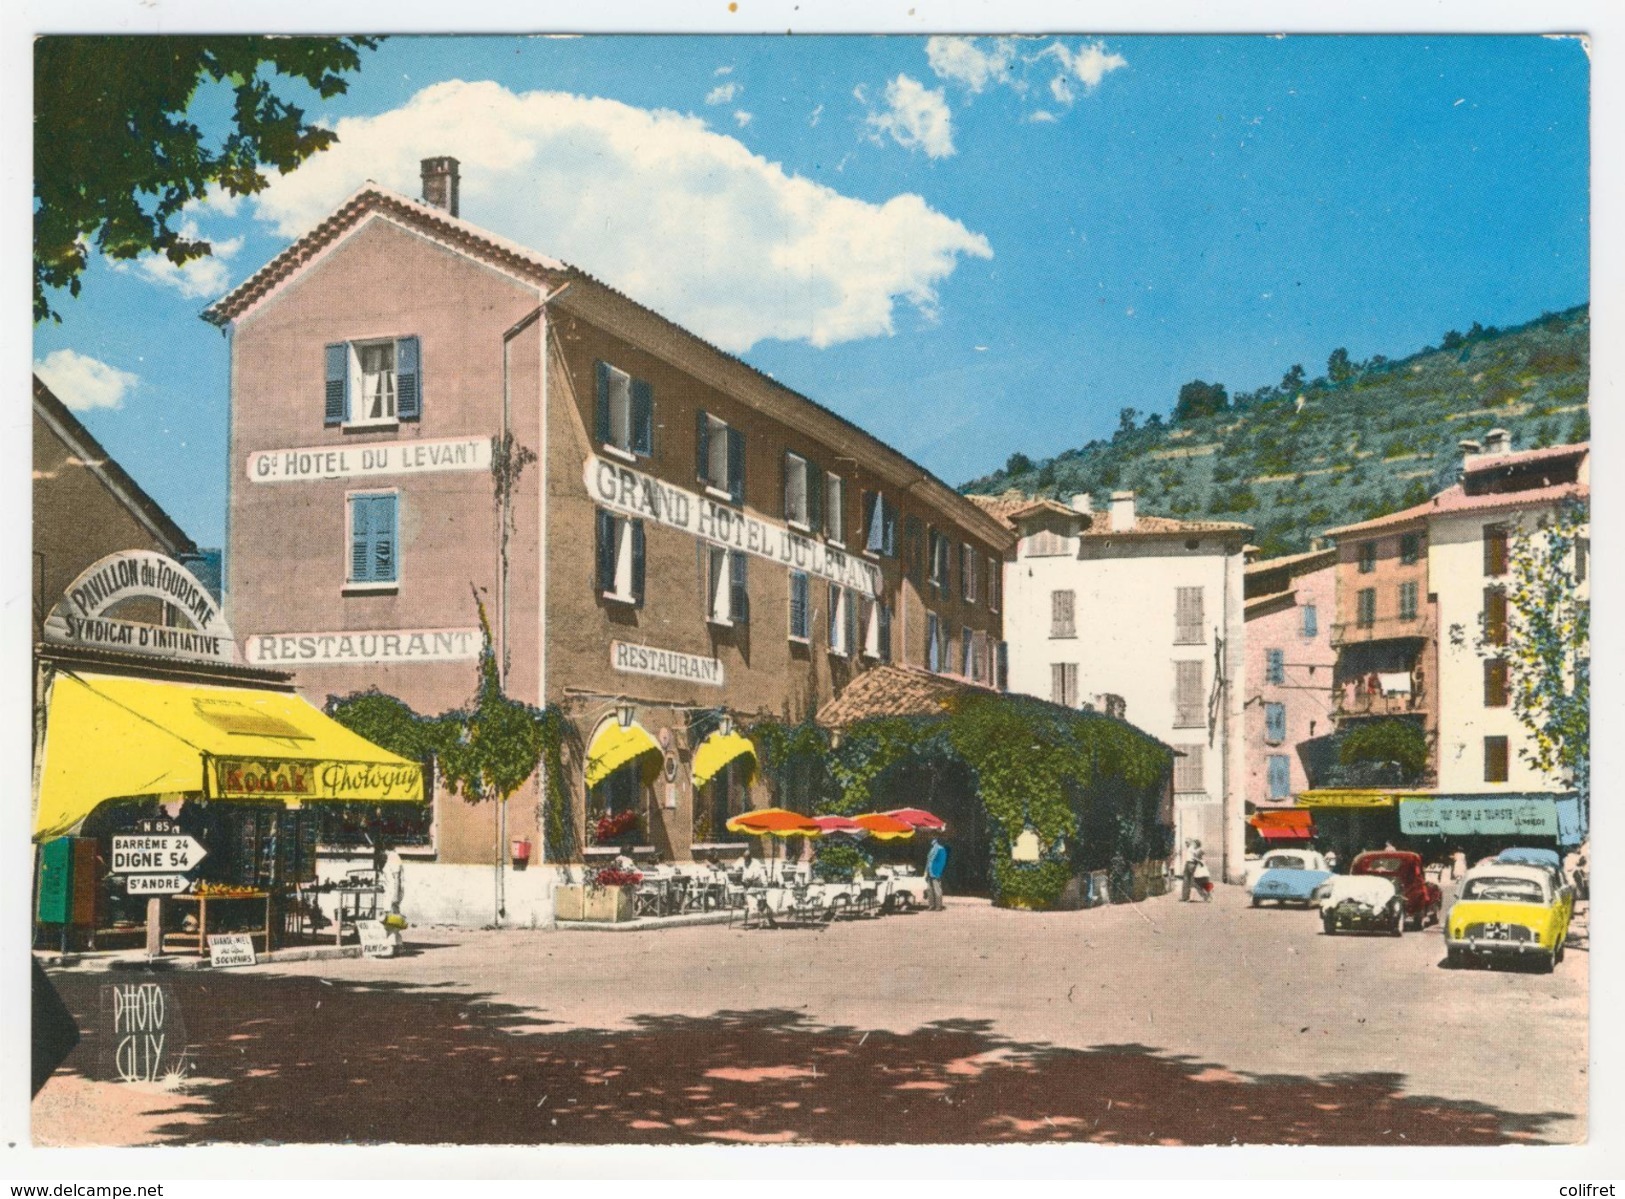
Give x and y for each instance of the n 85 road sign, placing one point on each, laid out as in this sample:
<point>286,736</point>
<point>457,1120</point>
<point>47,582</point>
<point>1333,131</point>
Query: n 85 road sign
<point>156,853</point>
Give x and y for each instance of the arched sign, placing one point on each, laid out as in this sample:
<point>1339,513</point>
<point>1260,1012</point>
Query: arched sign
<point>80,616</point>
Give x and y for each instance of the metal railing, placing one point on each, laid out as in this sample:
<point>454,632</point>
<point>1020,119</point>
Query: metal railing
<point>1383,628</point>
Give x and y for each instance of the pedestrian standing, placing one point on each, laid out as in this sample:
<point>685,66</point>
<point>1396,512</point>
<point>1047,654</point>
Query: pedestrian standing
<point>935,862</point>
<point>1458,864</point>
<point>1193,862</point>
<point>1202,879</point>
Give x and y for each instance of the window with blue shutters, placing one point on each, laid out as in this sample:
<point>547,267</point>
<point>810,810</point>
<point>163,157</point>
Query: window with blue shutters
<point>1280,776</point>
<point>719,456</point>
<point>373,382</point>
<point>1274,666</point>
<point>624,412</point>
<point>620,554</point>
<point>728,600</point>
<point>1275,723</point>
<point>933,643</point>
<point>879,525</point>
<point>374,538</point>
<point>800,613</point>
<point>1311,620</point>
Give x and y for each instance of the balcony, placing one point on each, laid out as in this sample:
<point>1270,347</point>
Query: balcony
<point>1352,700</point>
<point>1385,628</point>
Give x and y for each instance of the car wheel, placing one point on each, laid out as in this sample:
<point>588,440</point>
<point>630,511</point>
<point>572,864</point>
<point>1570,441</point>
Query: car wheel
<point>1453,957</point>
<point>1257,901</point>
<point>1557,954</point>
<point>1548,963</point>
<point>1399,924</point>
<point>1328,924</point>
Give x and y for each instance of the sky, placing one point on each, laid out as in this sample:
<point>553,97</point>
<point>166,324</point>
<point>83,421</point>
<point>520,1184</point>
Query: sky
<point>970,247</point>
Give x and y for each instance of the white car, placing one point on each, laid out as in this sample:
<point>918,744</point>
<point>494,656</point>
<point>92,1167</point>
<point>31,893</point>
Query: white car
<point>1285,859</point>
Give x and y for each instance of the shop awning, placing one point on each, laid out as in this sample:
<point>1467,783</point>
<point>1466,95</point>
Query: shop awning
<point>716,751</point>
<point>110,737</point>
<point>1284,824</point>
<point>614,747</point>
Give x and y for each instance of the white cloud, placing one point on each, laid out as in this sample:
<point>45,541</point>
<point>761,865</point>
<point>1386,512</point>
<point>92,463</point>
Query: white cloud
<point>82,382</point>
<point>728,70</point>
<point>817,113</point>
<point>916,117</point>
<point>1089,63</point>
<point>198,278</point>
<point>1040,116</point>
<point>723,93</point>
<point>963,60</point>
<point>742,118</point>
<point>655,203</point>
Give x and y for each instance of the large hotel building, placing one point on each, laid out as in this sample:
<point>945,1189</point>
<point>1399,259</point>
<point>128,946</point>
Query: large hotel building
<point>668,544</point>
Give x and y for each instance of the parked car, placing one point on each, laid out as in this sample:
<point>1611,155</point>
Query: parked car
<point>1290,876</point>
<point>1506,910</point>
<point>1361,903</point>
<point>1423,899</point>
<point>1545,859</point>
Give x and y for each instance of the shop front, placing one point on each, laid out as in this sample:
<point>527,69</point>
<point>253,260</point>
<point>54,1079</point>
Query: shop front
<point>1438,825</point>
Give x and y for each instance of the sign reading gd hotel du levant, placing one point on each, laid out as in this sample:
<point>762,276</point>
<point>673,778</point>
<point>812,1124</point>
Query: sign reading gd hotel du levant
<point>633,493</point>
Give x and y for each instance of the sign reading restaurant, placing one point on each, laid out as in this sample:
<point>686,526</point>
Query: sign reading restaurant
<point>665,663</point>
<point>81,618</point>
<point>384,458</point>
<point>633,493</point>
<point>356,648</point>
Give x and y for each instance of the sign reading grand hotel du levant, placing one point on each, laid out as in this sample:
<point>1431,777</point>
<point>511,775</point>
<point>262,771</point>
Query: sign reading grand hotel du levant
<point>636,494</point>
<point>80,616</point>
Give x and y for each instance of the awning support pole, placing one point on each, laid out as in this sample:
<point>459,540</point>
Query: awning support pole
<point>155,926</point>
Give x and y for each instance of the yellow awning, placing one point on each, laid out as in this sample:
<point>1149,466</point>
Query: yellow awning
<point>109,737</point>
<point>716,751</point>
<point>1352,797</point>
<point>614,747</point>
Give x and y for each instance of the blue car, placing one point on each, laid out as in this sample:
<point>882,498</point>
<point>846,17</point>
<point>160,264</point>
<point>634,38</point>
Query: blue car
<point>1291,878</point>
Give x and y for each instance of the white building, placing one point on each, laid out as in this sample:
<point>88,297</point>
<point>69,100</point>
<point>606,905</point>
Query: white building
<point>1143,617</point>
<point>1481,742</point>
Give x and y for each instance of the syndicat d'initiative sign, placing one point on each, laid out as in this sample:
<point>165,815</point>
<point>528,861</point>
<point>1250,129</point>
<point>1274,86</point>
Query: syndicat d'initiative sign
<point>81,617</point>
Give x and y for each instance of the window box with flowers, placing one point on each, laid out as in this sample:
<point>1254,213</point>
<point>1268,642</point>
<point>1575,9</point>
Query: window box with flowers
<point>607,896</point>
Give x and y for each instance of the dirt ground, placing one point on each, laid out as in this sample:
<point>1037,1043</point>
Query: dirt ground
<point>1160,1023</point>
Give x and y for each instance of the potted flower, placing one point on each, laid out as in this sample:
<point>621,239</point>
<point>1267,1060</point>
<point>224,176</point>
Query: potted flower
<point>615,826</point>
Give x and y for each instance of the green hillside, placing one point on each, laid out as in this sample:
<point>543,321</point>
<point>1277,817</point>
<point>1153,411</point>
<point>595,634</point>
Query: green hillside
<point>1307,455</point>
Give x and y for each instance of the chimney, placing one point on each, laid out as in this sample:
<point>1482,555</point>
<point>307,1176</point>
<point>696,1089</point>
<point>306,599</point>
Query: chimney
<point>1122,511</point>
<point>440,181</point>
<point>1471,451</point>
<point>1084,503</point>
<point>1496,442</point>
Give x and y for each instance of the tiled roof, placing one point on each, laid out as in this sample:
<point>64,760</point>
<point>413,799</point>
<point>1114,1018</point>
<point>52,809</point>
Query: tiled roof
<point>897,691</point>
<point>1296,563</point>
<point>1259,605</point>
<point>546,272</point>
<point>1454,499</point>
<point>1551,453</point>
<point>1166,526</point>
<point>1011,506</point>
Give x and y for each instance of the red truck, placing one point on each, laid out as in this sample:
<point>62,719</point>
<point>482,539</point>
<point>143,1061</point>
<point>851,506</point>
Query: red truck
<point>1420,898</point>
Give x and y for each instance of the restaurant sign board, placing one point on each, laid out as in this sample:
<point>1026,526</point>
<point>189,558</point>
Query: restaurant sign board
<point>356,648</point>
<point>632,493</point>
<point>1489,816</point>
<point>665,663</point>
<point>81,617</point>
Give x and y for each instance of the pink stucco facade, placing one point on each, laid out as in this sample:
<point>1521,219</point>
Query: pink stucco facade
<point>1289,663</point>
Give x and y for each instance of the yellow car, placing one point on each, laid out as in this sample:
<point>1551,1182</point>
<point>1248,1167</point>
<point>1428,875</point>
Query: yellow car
<point>1508,911</point>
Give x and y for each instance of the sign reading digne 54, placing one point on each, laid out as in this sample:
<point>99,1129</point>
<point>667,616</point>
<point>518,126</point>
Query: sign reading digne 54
<point>636,494</point>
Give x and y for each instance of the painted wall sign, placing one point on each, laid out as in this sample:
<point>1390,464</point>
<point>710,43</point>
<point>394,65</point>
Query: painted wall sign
<point>80,617</point>
<point>358,648</point>
<point>1489,816</point>
<point>360,461</point>
<point>247,778</point>
<point>633,493</point>
<point>231,949</point>
<point>665,663</point>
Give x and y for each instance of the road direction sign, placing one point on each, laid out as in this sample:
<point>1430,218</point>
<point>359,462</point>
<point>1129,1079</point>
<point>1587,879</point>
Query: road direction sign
<point>156,884</point>
<point>156,854</point>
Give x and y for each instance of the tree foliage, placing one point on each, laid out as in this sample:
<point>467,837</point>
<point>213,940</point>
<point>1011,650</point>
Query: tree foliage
<point>1197,399</point>
<point>118,154</point>
<point>1402,742</point>
<point>1339,369</point>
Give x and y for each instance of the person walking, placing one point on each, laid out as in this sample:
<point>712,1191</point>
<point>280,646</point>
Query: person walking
<point>1193,859</point>
<point>935,862</point>
<point>1201,877</point>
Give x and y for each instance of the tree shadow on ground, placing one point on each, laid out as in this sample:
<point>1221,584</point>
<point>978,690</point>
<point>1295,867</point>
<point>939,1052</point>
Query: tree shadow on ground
<point>308,1060</point>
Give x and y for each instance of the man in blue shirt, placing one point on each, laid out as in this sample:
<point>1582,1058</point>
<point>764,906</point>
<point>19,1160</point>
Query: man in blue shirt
<point>935,862</point>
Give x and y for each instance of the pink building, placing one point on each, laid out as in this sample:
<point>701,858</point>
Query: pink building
<point>1290,603</point>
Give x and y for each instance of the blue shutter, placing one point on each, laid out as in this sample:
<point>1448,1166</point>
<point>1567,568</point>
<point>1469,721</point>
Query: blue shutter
<point>408,379</point>
<point>1274,666</point>
<point>337,409</point>
<point>361,539</point>
<point>1004,666</point>
<point>1275,722</point>
<point>832,618</point>
<point>643,418</point>
<point>1311,621</point>
<point>739,597</point>
<point>798,604</point>
<point>606,552</point>
<point>885,632</point>
<point>736,464</point>
<point>702,445</point>
<point>601,420</point>
<point>384,540</point>
<point>889,530</point>
<point>1280,776</point>
<point>874,521</point>
<point>637,561</point>
<point>932,661</point>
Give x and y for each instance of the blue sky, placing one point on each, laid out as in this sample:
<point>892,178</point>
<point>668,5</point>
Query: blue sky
<point>970,248</point>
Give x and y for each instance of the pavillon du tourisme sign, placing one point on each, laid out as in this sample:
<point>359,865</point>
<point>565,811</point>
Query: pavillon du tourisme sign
<point>633,493</point>
<point>81,618</point>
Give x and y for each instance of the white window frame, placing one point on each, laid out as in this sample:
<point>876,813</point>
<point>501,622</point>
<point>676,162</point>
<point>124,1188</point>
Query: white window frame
<point>835,511</point>
<point>840,599</point>
<point>623,593</point>
<point>869,612</point>
<point>378,585</point>
<point>358,379</point>
<point>719,584</point>
<point>995,582</point>
<point>620,413</point>
<point>967,572</point>
<point>716,466</point>
<point>799,522</point>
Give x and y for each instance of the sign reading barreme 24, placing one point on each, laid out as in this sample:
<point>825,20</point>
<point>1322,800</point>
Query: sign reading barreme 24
<point>621,489</point>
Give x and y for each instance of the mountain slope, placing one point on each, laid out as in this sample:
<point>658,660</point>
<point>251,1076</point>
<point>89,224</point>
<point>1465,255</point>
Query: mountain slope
<point>1296,459</point>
